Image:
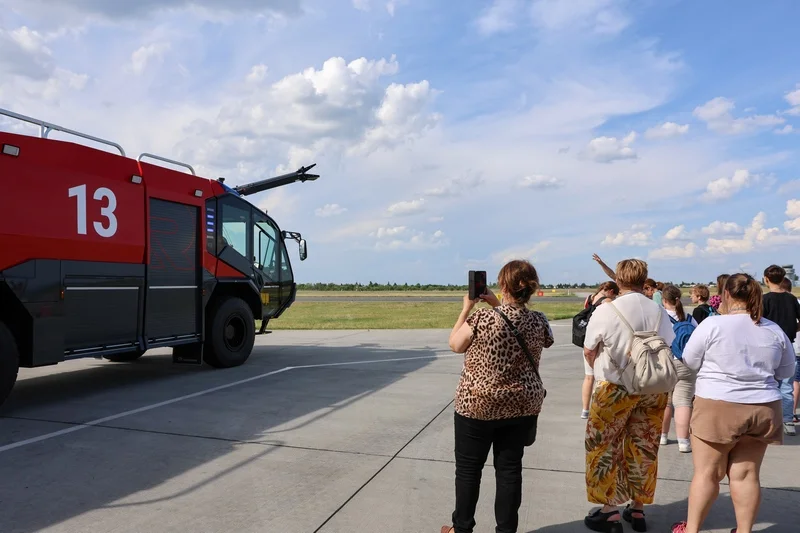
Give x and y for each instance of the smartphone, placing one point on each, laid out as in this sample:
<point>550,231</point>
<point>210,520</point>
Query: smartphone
<point>477,284</point>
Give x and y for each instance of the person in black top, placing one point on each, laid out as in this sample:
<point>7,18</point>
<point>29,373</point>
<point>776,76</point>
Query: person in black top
<point>700,296</point>
<point>783,308</point>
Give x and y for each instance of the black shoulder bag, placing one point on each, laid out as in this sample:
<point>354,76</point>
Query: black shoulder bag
<point>530,438</point>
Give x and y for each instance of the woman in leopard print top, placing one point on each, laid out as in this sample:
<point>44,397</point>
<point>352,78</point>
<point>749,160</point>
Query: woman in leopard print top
<point>499,396</point>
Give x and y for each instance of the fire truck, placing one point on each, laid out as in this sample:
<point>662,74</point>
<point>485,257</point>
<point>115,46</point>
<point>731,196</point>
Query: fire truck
<point>106,256</point>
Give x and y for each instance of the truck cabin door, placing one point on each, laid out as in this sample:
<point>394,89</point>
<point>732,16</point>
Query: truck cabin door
<point>271,260</point>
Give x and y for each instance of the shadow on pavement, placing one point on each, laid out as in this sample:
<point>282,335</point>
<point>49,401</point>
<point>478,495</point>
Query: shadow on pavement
<point>661,517</point>
<point>49,482</point>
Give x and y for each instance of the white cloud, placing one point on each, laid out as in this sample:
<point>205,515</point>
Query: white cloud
<point>401,116</point>
<point>636,236</point>
<point>362,5</point>
<point>541,182</point>
<point>407,208</point>
<point>403,238</point>
<point>667,130</point>
<point>529,252</point>
<point>675,252</point>
<point>330,210</point>
<point>793,212</point>
<point>723,188</point>
<point>391,6</point>
<point>436,219</point>
<point>389,232</point>
<point>78,11</point>
<point>756,236</point>
<point>787,129</point>
<point>789,187</point>
<point>722,228</point>
<point>793,98</point>
<point>678,233</point>
<point>257,73</point>
<point>145,55</point>
<point>608,149</point>
<point>717,114</point>
<point>457,186</point>
<point>598,16</point>
<point>499,17</point>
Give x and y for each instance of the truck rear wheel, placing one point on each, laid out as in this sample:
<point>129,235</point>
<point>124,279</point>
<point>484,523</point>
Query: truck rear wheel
<point>125,357</point>
<point>9,362</point>
<point>231,334</point>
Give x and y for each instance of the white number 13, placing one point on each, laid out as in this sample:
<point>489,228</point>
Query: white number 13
<point>100,194</point>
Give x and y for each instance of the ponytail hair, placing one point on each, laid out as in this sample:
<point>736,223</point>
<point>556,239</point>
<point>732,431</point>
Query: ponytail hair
<point>744,289</point>
<point>672,295</point>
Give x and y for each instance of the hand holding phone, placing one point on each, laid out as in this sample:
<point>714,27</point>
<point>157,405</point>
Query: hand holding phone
<point>477,284</point>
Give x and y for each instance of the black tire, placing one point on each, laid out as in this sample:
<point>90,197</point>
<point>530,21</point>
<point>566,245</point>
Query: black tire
<point>230,334</point>
<point>125,357</point>
<point>9,362</point>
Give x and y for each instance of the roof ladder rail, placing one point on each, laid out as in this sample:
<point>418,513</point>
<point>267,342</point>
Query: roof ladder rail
<point>165,160</point>
<point>45,128</point>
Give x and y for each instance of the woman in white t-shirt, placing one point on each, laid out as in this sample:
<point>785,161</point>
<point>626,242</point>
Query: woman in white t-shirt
<point>740,357</point>
<point>622,434</point>
<point>681,398</point>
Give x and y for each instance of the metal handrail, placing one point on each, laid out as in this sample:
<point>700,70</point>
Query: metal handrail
<point>45,128</point>
<point>165,160</point>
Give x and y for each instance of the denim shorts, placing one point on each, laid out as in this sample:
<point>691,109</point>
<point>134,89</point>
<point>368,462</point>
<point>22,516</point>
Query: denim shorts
<point>797,370</point>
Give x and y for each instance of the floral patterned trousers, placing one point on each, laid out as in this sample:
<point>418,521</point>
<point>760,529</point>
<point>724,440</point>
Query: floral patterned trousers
<point>622,441</point>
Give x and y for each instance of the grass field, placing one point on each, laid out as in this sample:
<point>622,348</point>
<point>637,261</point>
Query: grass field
<point>391,315</point>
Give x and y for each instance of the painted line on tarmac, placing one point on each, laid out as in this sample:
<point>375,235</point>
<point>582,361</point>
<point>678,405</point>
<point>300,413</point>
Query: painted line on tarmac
<point>103,420</point>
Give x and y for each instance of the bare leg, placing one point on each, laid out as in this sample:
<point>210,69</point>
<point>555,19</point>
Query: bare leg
<point>710,466</point>
<point>744,467</point>
<point>796,396</point>
<point>586,391</point>
<point>682,417</point>
<point>667,420</point>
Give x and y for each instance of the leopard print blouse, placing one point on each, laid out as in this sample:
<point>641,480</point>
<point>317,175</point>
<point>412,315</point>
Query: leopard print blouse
<point>497,380</point>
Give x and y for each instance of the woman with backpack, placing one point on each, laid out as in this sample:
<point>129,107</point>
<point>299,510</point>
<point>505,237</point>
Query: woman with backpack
<point>740,357</point>
<point>622,432</point>
<point>681,398</point>
<point>605,293</point>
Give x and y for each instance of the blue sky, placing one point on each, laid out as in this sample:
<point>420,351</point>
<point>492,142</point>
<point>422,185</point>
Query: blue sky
<point>451,135</point>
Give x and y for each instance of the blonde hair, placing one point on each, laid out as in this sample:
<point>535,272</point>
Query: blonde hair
<point>631,273</point>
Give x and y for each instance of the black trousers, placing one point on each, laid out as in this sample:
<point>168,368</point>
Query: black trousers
<point>474,438</point>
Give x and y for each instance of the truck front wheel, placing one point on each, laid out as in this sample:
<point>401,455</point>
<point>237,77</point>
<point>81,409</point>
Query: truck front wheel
<point>231,334</point>
<point>9,362</point>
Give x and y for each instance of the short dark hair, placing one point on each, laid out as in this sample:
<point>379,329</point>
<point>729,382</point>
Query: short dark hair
<point>702,292</point>
<point>786,285</point>
<point>774,274</point>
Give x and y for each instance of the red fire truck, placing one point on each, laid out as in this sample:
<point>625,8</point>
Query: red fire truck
<point>106,256</point>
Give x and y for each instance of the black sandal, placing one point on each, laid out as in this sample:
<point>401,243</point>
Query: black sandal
<point>599,521</point>
<point>638,524</point>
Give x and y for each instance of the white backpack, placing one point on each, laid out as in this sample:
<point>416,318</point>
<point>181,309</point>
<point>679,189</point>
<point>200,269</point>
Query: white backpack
<point>649,368</point>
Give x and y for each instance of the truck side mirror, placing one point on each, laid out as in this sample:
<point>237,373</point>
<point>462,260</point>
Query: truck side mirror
<point>303,250</point>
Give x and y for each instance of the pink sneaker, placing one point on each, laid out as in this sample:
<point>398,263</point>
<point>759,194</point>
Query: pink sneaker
<point>679,527</point>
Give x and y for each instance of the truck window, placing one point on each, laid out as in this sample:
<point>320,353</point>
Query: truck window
<point>235,219</point>
<point>286,266</point>
<point>266,246</point>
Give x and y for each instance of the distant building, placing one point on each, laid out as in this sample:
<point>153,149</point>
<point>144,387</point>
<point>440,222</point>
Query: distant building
<point>790,274</point>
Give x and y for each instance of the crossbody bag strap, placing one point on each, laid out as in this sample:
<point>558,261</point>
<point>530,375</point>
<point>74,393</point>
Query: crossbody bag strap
<point>520,340</point>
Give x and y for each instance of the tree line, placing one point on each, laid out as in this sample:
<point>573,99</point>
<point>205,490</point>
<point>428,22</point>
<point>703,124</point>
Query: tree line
<point>400,287</point>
